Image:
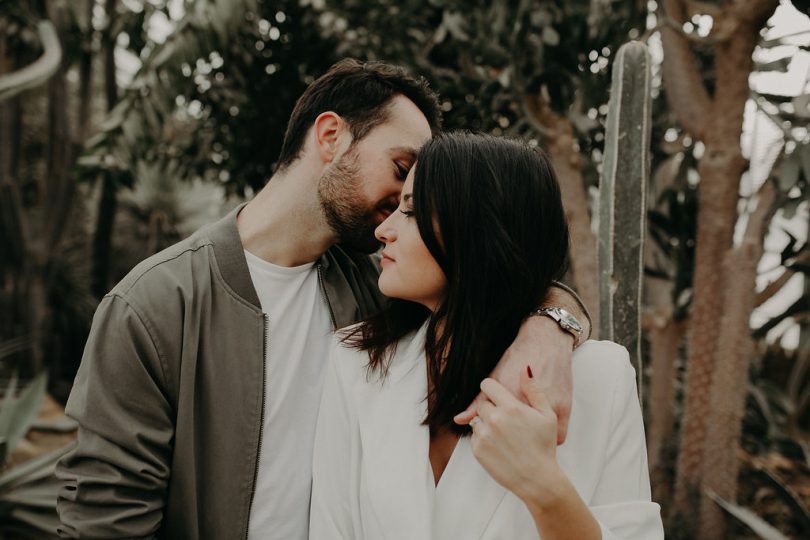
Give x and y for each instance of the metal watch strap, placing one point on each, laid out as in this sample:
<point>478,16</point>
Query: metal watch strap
<point>559,316</point>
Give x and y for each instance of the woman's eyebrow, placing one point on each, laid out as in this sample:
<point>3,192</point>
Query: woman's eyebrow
<point>406,198</point>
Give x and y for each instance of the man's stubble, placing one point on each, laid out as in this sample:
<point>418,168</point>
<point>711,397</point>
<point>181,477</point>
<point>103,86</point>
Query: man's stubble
<point>350,216</point>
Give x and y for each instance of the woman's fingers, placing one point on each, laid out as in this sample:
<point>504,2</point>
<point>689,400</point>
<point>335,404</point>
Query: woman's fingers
<point>464,418</point>
<point>485,409</point>
<point>496,392</point>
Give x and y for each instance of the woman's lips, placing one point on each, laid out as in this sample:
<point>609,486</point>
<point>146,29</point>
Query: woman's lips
<point>386,258</point>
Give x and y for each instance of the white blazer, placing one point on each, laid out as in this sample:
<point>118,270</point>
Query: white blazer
<point>372,477</point>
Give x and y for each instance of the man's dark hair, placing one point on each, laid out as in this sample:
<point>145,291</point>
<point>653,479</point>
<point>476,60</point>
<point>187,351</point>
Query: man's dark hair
<point>361,93</point>
<point>490,212</point>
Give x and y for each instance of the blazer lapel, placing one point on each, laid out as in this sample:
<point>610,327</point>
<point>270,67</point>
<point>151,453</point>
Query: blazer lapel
<point>395,443</point>
<point>466,497</point>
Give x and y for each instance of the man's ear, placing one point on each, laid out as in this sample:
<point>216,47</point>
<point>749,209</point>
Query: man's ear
<point>328,131</point>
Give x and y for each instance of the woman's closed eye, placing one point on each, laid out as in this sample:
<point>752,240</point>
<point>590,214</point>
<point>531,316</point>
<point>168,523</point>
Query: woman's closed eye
<point>407,212</point>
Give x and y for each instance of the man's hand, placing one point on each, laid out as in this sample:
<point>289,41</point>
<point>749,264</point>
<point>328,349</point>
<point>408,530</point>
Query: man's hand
<point>543,345</point>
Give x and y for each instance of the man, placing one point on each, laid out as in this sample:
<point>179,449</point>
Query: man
<point>199,387</point>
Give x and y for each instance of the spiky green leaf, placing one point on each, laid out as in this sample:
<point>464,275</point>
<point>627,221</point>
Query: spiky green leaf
<point>761,527</point>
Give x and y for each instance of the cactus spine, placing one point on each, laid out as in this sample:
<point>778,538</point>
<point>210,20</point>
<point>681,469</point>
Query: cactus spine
<point>622,200</point>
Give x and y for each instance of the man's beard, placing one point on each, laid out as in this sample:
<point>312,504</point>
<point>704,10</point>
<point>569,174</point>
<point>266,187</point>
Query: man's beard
<point>349,216</point>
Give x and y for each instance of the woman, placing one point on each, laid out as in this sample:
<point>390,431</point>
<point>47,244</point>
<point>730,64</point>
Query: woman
<point>477,240</point>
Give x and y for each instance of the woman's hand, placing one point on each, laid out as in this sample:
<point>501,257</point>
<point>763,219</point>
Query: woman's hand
<point>542,344</point>
<point>517,443</point>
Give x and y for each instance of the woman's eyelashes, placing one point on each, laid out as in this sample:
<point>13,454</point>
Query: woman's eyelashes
<point>407,212</point>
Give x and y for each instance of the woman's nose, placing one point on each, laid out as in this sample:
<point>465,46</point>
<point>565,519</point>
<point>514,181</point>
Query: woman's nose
<point>385,231</point>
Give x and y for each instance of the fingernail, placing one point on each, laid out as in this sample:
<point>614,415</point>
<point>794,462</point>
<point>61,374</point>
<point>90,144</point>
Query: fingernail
<point>529,371</point>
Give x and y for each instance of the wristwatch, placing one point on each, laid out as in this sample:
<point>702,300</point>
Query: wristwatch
<point>567,322</point>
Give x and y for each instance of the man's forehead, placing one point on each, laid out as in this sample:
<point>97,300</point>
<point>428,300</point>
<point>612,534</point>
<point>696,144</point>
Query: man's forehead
<point>406,124</point>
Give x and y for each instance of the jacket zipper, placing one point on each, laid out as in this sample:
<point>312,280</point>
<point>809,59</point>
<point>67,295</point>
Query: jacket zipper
<point>325,297</point>
<point>265,343</point>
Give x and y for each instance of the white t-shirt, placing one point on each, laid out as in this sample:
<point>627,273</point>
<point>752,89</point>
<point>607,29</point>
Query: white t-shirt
<point>299,334</point>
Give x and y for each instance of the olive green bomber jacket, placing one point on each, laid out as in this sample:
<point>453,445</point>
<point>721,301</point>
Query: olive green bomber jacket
<point>169,448</point>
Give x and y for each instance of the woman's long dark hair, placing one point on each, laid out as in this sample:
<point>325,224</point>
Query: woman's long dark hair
<point>502,239</point>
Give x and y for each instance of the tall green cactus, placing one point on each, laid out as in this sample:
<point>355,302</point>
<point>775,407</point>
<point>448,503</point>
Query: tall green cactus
<point>622,200</point>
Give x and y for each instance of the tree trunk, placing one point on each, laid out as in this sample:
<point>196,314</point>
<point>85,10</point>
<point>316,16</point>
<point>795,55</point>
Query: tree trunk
<point>804,326</point>
<point>720,171</point>
<point>51,190</point>
<point>561,145</point>
<point>9,248</point>
<point>735,347</point>
<point>6,134</point>
<point>666,337</point>
<point>86,73</point>
<point>108,201</point>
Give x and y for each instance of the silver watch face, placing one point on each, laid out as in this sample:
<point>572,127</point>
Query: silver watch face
<point>570,321</point>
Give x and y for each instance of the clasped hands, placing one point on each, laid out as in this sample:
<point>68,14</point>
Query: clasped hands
<point>523,418</point>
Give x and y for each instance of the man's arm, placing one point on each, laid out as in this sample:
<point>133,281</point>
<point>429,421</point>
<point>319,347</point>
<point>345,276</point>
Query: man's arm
<point>114,481</point>
<point>547,348</point>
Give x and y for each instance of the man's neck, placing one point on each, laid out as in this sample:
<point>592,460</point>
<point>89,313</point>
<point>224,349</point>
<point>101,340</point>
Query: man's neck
<point>284,223</point>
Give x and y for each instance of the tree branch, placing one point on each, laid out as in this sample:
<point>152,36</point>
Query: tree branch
<point>774,287</point>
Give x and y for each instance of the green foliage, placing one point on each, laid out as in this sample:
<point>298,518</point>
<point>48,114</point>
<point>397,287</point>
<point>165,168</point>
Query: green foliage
<point>486,58</point>
<point>28,498</point>
<point>160,211</point>
<point>27,491</point>
<point>211,102</point>
<point>761,527</point>
<point>18,411</point>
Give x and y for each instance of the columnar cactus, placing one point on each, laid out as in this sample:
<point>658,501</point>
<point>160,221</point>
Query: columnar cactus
<point>622,200</point>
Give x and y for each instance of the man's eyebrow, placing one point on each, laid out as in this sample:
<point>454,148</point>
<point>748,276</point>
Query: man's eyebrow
<point>411,152</point>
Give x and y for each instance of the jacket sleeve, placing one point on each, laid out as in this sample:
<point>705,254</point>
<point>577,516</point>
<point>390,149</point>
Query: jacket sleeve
<point>332,467</point>
<point>622,501</point>
<point>114,481</point>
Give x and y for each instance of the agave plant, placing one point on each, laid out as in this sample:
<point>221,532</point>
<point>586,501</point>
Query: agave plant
<point>27,491</point>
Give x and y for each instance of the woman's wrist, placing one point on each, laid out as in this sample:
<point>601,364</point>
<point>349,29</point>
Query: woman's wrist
<point>560,513</point>
<point>550,491</point>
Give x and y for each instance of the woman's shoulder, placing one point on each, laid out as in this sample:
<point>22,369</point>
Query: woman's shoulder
<point>598,365</point>
<point>607,354</point>
<point>352,362</point>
